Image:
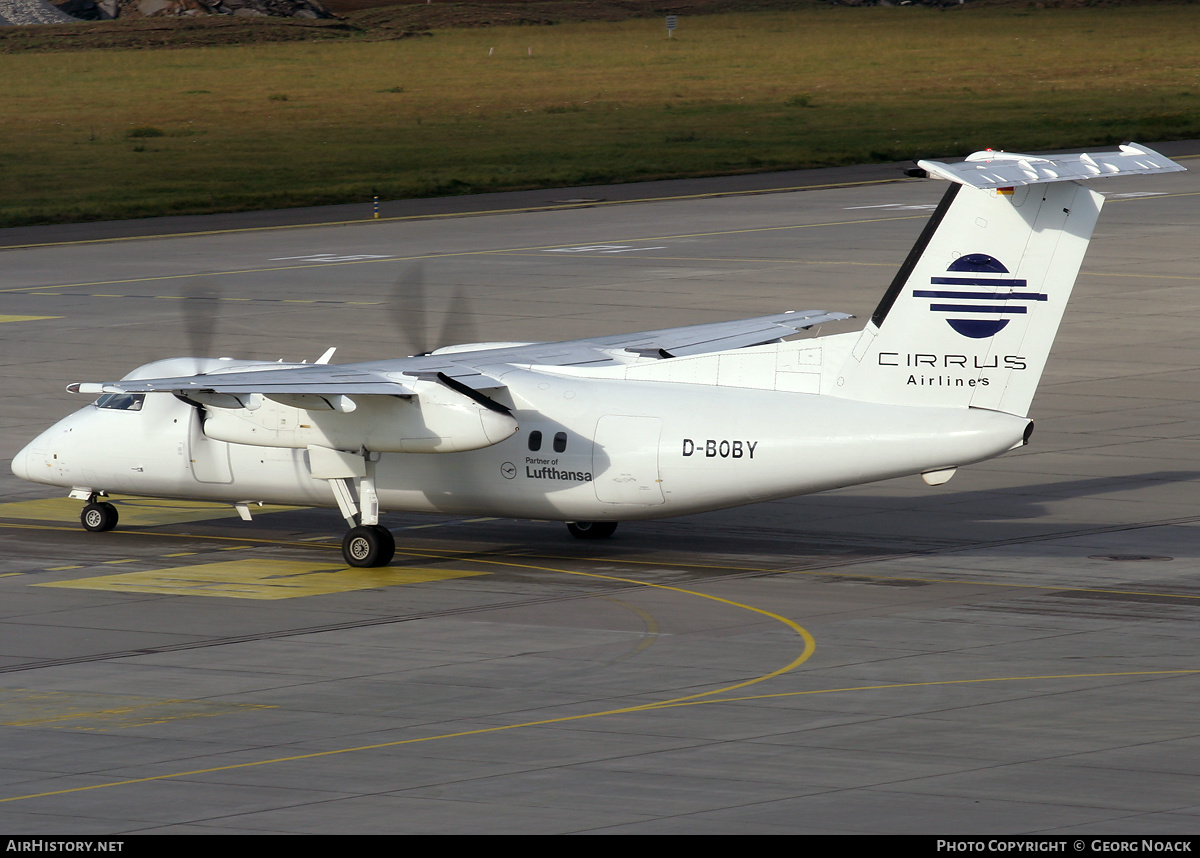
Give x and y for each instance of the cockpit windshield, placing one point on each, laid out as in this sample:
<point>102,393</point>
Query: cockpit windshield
<point>121,401</point>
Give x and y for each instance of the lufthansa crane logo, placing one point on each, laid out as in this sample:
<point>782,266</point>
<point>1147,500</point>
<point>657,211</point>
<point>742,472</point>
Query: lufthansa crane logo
<point>980,296</point>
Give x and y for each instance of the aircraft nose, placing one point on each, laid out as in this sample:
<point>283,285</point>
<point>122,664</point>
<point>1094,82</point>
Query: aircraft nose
<point>20,463</point>
<point>33,463</point>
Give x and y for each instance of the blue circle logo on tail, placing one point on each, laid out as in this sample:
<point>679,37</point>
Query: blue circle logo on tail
<point>984,296</point>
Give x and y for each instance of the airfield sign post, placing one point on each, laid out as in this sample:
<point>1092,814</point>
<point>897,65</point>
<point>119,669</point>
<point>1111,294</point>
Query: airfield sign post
<point>671,21</point>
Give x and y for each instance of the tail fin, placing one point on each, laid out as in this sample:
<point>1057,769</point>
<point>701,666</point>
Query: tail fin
<point>972,313</point>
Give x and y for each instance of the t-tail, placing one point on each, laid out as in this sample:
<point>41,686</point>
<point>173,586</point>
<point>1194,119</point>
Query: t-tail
<point>972,313</point>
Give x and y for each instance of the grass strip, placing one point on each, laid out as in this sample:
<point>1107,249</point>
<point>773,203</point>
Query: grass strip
<point>130,133</point>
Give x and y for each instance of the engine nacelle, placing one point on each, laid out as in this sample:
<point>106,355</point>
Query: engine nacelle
<point>437,420</point>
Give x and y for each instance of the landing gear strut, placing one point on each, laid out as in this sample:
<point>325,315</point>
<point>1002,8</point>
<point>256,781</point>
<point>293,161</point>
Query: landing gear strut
<point>99,517</point>
<point>368,545</point>
<point>591,529</point>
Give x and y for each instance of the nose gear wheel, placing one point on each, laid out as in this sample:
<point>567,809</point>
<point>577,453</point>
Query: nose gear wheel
<point>99,517</point>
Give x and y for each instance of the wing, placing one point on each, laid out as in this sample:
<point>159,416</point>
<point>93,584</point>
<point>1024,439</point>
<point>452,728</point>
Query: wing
<point>473,368</point>
<point>467,372</point>
<point>287,380</point>
<point>720,336</point>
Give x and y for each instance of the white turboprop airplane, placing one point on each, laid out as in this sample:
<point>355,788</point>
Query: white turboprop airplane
<point>648,425</point>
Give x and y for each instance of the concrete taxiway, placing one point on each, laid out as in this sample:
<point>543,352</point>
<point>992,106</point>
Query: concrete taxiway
<point>1013,652</point>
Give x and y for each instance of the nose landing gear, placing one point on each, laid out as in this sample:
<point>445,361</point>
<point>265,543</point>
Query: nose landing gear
<point>99,517</point>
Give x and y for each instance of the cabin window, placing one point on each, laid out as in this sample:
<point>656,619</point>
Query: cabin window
<point>535,440</point>
<point>121,401</point>
<point>560,442</point>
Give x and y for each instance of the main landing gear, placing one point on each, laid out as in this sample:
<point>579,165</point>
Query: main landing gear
<point>592,529</point>
<point>368,545</point>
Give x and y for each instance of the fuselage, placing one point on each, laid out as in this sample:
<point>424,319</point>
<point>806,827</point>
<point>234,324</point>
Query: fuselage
<point>586,449</point>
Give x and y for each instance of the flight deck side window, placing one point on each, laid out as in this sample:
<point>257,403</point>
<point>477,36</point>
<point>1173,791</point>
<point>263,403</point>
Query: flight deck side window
<point>535,440</point>
<point>121,401</point>
<point>560,442</point>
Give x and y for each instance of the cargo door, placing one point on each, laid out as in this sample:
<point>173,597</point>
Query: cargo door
<point>625,460</point>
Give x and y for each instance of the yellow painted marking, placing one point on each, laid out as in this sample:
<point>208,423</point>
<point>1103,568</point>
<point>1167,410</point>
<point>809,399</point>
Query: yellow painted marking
<point>653,629</point>
<point>136,512</point>
<point>181,554</point>
<point>126,560</point>
<point>26,318</point>
<point>810,645</point>
<point>331,545</point>
<point>63,568</point>
<point>14,574</point>
<point>260,579</point>
<point>21,707</point>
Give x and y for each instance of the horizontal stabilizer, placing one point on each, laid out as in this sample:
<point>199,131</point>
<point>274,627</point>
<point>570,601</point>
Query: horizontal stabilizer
<point>989,169</point>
